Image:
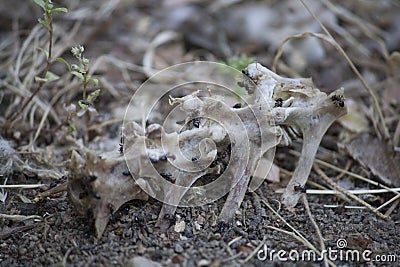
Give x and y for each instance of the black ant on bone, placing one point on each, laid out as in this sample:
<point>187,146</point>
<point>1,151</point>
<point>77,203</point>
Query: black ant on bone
<point>196,122</point>
<point>338,100</point>
<point>237,105</point>
<point>222,158</point>
<point>278,102</point>
<point>126,173</point>
<point>57,182</point>
<point>300,188</point>
<point>121,146</point>
<point>245,83</point>
<point>162,158</point>
<point>168,177</point>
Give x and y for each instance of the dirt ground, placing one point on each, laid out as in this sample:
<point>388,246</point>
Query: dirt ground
<point>64,239</point>
<point>117,36</point>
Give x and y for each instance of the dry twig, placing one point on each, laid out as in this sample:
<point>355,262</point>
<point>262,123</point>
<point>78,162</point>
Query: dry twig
<point>355,70</point>
<point>347,193</point>
<point>321,238</point>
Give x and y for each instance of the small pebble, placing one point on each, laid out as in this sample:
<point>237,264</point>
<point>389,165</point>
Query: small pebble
<point>22,251</point>
<point>180,227</point>
<point>178,248</point>
<point>197,226</point>
<point>41,249</point>
<point>57,238</point>
<point>200,219</point>
<point>31,245</point>
<point>203,262</point>
<point>177,259</point>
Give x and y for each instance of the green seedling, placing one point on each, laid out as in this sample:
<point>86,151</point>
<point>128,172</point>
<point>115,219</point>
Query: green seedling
<point>238,63</point>
<point>48,76</point>
<point>47,23</point>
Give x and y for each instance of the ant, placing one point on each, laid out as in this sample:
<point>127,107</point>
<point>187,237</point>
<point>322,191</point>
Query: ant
<point>163,158</point>
<point>126,173</point>
<point>215,162</point>
<point>222,227</point>
<point>170,218</point>
<point>245,84</point>
<point>338,100</point>
<point>60,180</point>
<point>196,123</point>
<point>300,188</point>
<point>278,102</point>
<point>237,105</point>
<point>121,146</point>
<point>153,160</point>
<point>241,84</point>
<point>168,177</point>
<point>53,184</point>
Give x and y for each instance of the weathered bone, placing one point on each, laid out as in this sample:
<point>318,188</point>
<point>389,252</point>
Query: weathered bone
<point>277,109</point>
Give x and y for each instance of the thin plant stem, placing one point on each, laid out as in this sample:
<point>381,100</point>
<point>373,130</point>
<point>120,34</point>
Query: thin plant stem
<point>48,63</point>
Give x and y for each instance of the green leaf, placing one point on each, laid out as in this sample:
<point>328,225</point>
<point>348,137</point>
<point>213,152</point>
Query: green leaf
<point>83,104</point>
<point>94,81</point>
<point>44,51</point>
<point>61,60</point>
<point>40,79</point>
<point>40,3</point>
<point>50,76</point>
<point>71,127</point>
<point>240,62</point>
<point>47,17</point>
<point>59,9</point>
<point>77,74</point>
<point>49,6</point>
<point>85,61</point>
<point>77,68</point>
<point>45,24</point>
<point>93,95</point>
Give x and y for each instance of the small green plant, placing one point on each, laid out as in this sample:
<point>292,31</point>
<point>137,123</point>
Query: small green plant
<point>81,72</point>
<point>48,76</point>
<point>47,23</point>
<point>238,63</point>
